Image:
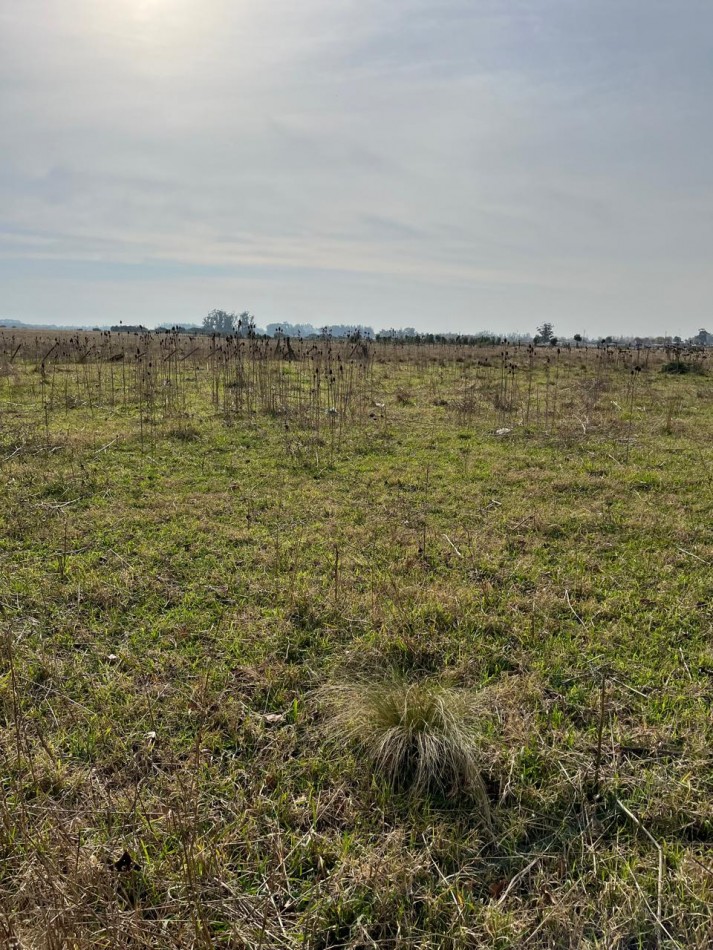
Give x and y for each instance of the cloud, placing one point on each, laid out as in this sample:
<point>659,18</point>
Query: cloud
<point>498,163</point>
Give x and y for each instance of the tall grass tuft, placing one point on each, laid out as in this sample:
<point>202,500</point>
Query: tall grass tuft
<point>420,736</point>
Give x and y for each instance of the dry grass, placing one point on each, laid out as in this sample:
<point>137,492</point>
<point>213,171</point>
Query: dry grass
<point>190,544</point>
<point>421,736</point>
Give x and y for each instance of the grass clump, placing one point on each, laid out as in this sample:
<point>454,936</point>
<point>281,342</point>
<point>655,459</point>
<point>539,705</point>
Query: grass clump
<point>420,736</point>
<point>679,368</point>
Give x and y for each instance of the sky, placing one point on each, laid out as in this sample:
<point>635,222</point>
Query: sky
<point>451,165</point>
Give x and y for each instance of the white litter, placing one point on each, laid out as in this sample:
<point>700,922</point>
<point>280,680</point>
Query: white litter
<point>273,718</point>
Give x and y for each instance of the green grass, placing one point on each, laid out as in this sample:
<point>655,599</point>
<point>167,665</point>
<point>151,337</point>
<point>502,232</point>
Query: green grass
<point>178,581</point>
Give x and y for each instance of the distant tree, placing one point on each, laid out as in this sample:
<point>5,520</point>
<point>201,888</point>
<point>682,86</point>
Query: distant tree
<point>245,324</point>
<point>578,338</point>
<point>545,333</point>
<point>220,321</point>
<point>703,337</point>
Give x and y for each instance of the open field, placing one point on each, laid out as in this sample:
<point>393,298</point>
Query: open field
<point>198,536</point>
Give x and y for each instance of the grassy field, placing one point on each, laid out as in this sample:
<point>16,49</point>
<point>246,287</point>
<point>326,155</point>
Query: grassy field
<point>203,542</point>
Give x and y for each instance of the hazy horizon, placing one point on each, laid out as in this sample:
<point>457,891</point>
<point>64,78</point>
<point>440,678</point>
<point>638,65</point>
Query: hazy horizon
<point>454,166</point>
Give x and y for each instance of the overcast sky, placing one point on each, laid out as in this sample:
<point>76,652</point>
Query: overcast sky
<point>448,164</point>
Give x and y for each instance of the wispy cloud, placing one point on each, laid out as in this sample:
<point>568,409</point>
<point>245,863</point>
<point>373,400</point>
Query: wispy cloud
<point>481,163</point>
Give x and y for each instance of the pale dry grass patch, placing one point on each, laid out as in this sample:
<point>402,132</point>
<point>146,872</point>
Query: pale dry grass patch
<point>420,736</point>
